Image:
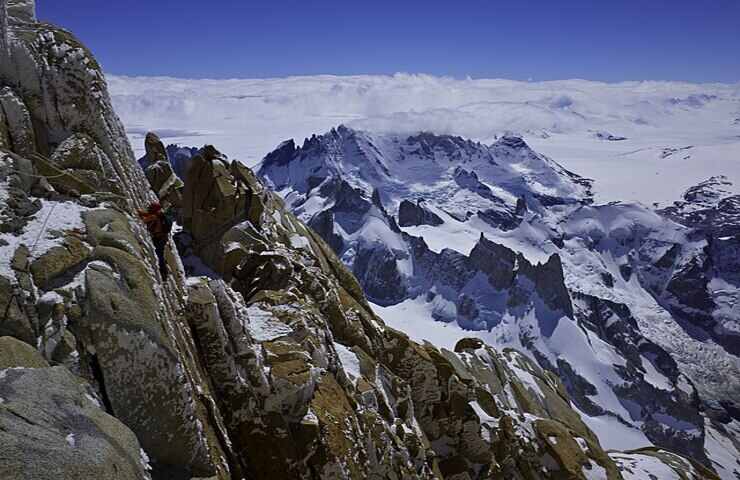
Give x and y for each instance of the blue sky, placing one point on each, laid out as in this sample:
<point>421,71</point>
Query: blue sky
<point>540,40</point>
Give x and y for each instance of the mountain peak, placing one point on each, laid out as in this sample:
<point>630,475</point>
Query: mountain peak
<point>512,141</point>
<point>709,192</point>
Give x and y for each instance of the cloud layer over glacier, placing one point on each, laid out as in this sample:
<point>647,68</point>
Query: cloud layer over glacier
<point>676,133</point>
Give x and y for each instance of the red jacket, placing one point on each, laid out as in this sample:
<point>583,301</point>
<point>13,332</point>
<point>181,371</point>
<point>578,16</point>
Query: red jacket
<point>155,223</point>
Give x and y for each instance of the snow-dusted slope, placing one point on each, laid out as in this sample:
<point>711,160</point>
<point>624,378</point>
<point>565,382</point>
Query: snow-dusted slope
<point>677,134</point>
<point>452,236</point>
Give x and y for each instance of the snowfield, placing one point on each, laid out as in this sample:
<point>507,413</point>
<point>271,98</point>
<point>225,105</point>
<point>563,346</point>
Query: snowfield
<point>675,134</point>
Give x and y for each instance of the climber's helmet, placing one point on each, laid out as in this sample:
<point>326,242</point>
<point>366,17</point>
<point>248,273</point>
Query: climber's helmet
<point>155,208</point>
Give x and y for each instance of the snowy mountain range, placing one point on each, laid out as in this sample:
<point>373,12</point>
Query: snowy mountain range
<point>676,134</point>
<point>636,309</point>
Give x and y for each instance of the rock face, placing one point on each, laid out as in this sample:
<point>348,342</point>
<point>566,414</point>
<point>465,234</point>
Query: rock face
<point>271,365</point>
<point>19,133</point>
<point>63,91</point>
<point>53,429</point>
<point>414,214</point>
<point>22,11</point>
<point>77,277</point>
<point>702,285</point>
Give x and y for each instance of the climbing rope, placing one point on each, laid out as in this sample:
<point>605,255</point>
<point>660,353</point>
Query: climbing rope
<point>14,297</point>
<point>46,176</point>
<point>40,158</point>
<point>42,231</point>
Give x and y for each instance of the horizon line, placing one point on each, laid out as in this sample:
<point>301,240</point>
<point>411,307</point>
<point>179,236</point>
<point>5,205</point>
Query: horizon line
<point>468,78</point>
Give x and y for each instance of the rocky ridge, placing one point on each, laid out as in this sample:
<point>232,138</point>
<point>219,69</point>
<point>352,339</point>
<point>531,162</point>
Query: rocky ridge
<point>273,364</point>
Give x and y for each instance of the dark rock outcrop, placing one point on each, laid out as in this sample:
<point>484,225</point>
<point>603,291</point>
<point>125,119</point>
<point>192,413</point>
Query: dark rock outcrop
<point>180,158</point>
<point>413,214</point>
<point>713,212</point>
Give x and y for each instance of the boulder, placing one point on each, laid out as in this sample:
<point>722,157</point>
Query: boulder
<point>17,354</point>
<point>81,156</point>
<point>110,227</point>
<point>59,261</point>
<point>52,429</point>
<point>262,271</point>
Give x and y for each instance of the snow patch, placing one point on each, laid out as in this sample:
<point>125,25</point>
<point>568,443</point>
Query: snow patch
<point>350,362</point>
<point>42,233</point>
<point>263,326</point>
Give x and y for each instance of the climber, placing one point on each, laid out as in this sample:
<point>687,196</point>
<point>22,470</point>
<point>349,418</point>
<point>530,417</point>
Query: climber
<point>159,225</point>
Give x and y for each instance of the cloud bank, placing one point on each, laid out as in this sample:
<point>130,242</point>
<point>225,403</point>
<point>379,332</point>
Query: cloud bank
<point>567,120</point>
